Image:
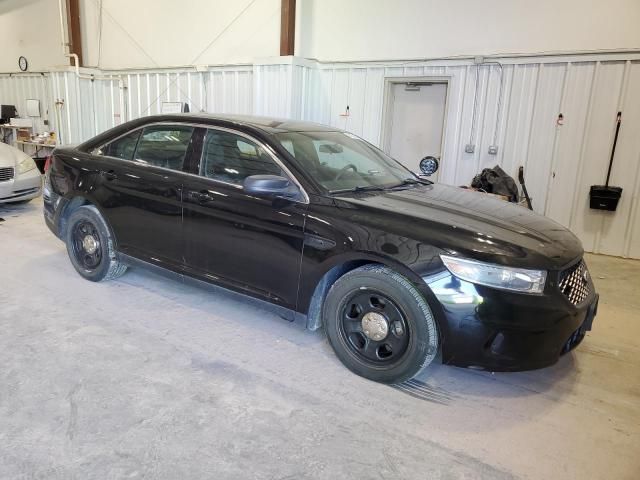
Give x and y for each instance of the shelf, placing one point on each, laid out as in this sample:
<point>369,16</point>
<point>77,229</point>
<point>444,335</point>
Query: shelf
<point>35,144</point>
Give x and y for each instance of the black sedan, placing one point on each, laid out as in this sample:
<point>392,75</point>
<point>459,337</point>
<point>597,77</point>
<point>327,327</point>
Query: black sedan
<point>398,270</point>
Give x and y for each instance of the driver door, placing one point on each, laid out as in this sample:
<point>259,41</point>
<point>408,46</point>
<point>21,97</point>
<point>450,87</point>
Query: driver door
<point>247,243</point>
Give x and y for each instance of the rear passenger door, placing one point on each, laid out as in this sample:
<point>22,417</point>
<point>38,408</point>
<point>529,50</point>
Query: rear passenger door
<point>241,241</point>
<point>141,184</point>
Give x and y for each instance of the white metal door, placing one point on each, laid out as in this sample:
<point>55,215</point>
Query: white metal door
<point>417,122</point>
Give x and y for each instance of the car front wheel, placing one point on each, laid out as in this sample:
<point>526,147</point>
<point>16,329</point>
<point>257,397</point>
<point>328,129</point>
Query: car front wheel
<point>90,245</point>
<point>379,325</point>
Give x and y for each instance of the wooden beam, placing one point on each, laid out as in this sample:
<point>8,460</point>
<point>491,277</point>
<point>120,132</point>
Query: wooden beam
<point>73,29</point>
<point>287,27</point>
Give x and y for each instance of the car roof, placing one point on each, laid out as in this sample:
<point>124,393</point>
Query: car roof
<point>249,123</point>
<point>266,124</point>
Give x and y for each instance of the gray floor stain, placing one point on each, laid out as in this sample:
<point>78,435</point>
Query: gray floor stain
<point>424,391</point>
<point>73,411</point>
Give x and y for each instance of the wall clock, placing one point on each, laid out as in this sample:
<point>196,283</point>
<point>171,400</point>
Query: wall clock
<point>23,64</point>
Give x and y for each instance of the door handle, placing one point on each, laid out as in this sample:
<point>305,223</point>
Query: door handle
<point>202,196</point>
<point>110,175</point>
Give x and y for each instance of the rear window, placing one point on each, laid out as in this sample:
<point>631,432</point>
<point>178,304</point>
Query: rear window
<point>164,146</point>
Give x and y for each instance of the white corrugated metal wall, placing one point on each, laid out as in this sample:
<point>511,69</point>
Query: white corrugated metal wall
<point>92,105</point>
<point>561,161</point>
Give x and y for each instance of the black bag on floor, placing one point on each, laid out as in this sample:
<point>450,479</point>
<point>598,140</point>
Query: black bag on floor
<point>495,180</point>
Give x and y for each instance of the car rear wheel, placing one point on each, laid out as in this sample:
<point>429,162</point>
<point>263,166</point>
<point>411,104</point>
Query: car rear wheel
<point>90,245</point>
<point>379,325</point>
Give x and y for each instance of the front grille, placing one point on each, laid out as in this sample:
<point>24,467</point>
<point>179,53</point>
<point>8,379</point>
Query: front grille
<point>575,283</point>
<point>6,174</point>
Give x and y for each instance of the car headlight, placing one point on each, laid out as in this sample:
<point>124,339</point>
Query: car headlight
<point>496,276</point>
<point>26,165</point>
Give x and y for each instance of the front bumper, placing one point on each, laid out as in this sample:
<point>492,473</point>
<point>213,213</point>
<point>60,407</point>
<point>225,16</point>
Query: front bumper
<point>22,187</point>
<point>506,331</point>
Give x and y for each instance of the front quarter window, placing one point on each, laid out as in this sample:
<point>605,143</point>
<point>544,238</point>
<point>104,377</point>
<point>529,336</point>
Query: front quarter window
<point>230,158</point>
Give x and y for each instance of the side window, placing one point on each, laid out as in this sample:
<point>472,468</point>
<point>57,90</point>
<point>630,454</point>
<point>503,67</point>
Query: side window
<point>231,158</point>
<point>122,147</point>
<point>164,146</point>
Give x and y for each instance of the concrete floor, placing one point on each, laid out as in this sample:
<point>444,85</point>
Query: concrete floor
<point>149,378</point>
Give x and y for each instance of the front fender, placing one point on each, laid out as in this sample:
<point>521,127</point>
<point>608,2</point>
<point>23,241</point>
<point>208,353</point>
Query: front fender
<point>316,284</point>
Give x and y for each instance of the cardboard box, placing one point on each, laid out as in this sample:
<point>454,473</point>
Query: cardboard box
<point>23,134</point>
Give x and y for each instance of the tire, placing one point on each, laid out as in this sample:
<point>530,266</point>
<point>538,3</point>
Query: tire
<point>90,245</point>
<point>355,312</point>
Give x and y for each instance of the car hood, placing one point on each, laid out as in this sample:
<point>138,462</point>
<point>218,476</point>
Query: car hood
<point>10,156</point>
<point>469,223</point>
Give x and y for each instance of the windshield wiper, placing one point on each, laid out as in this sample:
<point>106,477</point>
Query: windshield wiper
<point>410,181</point>
<point>360,188</point>
<point>380,188</point>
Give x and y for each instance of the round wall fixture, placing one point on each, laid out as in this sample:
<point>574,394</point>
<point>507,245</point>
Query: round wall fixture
<point>429,165</point>
<point>23,64</point>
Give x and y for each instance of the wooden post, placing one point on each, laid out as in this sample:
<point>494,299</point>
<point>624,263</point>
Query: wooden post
<point>73,28</point>
<point>287,27</point>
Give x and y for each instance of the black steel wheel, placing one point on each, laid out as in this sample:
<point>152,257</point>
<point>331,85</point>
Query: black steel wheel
<point>379,325</point>
<point>86,245</point>
<point>90,245</point>
<point>374,327</point>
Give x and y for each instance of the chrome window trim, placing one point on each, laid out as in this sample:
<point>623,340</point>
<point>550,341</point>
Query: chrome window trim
<point>267,148</point>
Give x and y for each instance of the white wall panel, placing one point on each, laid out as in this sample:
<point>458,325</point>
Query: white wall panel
<point>466,164</point>
<point>372,108</point>
<point>453,141</point>
<point>569,138</point>
<point>357,100</point>
<point>519,113</point>
<point>340,98</point>
<point>539,154</point>
<point>86,107</point>
<point>273,85</point>
<point>630,152</point>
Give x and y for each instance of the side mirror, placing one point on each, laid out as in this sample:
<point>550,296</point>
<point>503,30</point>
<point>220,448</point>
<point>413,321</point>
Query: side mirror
<point>429,165</point>
<point>269,186</point>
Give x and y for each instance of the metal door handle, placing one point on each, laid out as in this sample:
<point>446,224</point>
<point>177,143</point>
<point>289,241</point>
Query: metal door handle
<point>201,197</point>
<point>110,175</point>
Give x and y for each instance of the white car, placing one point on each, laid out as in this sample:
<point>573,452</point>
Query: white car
<point>20,179</point>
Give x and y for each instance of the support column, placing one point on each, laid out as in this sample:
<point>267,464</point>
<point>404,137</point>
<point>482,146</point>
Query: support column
<point>73,29</point>
<point>287,27</point>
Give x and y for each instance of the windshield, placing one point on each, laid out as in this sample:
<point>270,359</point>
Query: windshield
<point>340,161</point>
